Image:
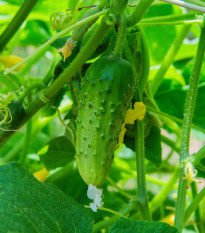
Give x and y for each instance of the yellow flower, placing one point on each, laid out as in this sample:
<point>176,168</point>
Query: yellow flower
<point>190,173</point>
<point>131,115</point>
<point>11,60</point>
<point>41,174</point>
<point>66,49</point>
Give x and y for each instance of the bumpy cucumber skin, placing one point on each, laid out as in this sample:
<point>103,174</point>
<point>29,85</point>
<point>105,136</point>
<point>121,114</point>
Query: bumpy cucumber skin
<point>106,92</point>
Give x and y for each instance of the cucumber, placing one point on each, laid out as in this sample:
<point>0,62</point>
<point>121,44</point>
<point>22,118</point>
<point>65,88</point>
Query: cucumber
<point>105,95</point>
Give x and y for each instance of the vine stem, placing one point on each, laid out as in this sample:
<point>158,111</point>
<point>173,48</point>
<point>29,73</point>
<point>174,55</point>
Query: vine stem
<point>108,222</point>
<point>26,142</point>
<point>108,210</point>
<point>16,22</point>
<point>43,47</point>
<point>37,85</point>
<point>121,36</point>
<point>121,191</point>
<point>199,155</point>
<point>192,207</point>
<point>186,5</point>
<point>169,58</point>
<point>187,122</point>
<point>187,22</point>
<point>138,12</point>
<point>171,18</point>
<point>141,180</point>
<point>162,195</point>
<point>196,2</point>
<point>197,213</point>
<point>170,143</point>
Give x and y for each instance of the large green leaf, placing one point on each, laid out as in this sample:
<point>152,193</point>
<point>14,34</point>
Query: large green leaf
<point>171,100</point>
<point>124,225</point>
<point>60,152</point>
<point>159,35</point>
<point>29,206</point>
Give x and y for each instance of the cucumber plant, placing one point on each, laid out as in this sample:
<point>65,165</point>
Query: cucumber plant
<point>97,109</point>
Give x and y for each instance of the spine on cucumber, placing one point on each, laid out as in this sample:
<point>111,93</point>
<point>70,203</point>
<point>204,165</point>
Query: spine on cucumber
<point>105,96</point>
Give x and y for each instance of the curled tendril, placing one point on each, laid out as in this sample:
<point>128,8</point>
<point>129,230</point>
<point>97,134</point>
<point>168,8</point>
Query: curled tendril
<point>60,20</point>
<point>5,113</point>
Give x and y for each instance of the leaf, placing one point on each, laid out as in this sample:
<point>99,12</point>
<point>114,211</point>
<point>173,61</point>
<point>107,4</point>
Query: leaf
<point>14,2</point>
<point>35,32</point>
<point>201,168</point>
<point>60,42</point>
<point>131,226</point>
<point>171,100</point>
<point>27,205</point>
<point>153,149</point>
<point>60,152</point>
<point>153,34</point>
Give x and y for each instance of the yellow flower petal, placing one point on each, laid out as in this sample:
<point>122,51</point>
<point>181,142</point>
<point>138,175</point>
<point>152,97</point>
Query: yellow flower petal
<point>66,49</point>
<point>169,219</point>
<point>131,115</point>
<point>11,60</point>
<point>135,114</point>
<point>41,174</point>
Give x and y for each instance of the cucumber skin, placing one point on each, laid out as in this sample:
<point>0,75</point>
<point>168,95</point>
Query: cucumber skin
<point>107,90</point>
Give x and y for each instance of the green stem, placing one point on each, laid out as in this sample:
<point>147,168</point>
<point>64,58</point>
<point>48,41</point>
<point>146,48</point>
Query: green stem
<point>141,180</point>
<point>170,18</point>
<point>26,142</point>
<point>196,2</point>
<point>121,191</point>
<point>170,143</point>
<point>45,45</point>
<point>163,194</point>
<point>188,22</point>
<point>186,5</point>
<point>172,118</point>
<point>37,85</point>
<point>188,115</point>
<point>50,74</point>
<point>66,171</point>
<point>11,155</point>
<point>16,22</point>
<point>108,222</point>
<point>169,58</point>
<point>197,210</point>
<point>157,181</point>
<point>121,37</point>
<point>192,207</point>
<point>199,155</point>
<point>108,210</point>
<point>138,12</point>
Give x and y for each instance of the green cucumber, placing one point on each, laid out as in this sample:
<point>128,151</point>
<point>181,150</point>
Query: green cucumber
<point>106,92</point>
